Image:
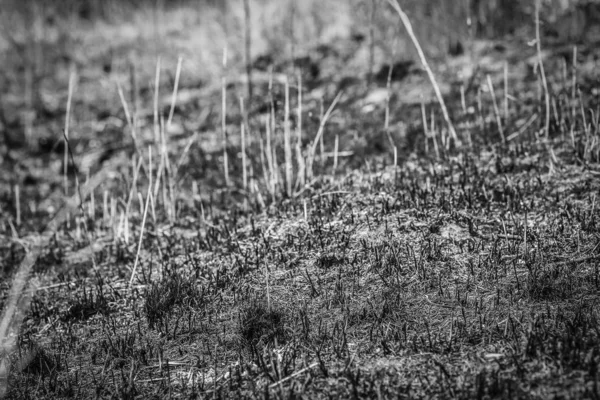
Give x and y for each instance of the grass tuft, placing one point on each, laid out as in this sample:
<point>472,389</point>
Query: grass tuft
<point>162,297</point>
<point>259,326</point>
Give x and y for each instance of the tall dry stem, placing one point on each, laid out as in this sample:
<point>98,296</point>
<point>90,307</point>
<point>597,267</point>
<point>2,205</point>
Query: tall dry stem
<point>407,24</point>
<point>224,116</point>
<point>287,142</point>
<point>318,138</point>
<point>538,47</point>
<point>247,48</point>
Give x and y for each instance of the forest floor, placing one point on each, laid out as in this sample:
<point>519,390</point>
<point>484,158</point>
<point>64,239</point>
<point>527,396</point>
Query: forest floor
<point>403,263</point>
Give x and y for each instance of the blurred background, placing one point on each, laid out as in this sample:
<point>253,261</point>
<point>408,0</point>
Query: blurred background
<point>108,41</point>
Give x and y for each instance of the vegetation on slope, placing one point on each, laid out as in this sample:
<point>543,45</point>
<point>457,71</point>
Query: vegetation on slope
<point>326,237</point>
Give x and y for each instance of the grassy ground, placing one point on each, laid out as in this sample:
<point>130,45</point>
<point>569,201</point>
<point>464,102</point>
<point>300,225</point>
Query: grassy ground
<point>399,263</point>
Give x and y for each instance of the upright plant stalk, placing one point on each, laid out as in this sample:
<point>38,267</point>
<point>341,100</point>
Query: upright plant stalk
<point>270,161</point>
<point>243,138</point>
<point>538,46</point>
<point>156,94</point>
<point>300,178</point>
<point>386,123</point>
<point>318,138</point>
<point>224,116</point>
<point>496,110</point>
<point>287,142</point>
<point>406,22</point>
<point>247,48</point>
<point>66,131</point>
<point>175,89</point>
<point>292,35</point>
<point>134,89</point>
<point>506,91</point>
<point>145,214</point>
<point>372,40</point>
<point>18,204</point>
